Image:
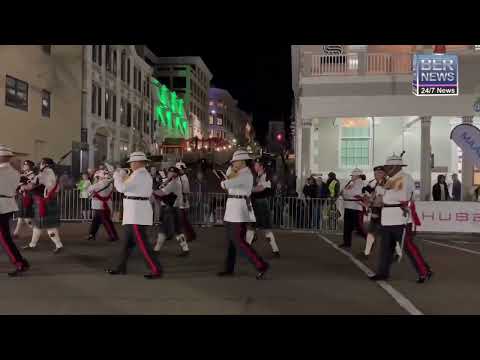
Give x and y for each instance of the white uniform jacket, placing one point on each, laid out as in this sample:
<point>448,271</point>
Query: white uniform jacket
<point>9,179</point>
<point>237,209</point>
<point>185,186</point>
<point>174,187</point>
<point>138,184</point>
<point>47,178</point>
<point>398,189</point>
<point>107,190</point>
<point>354,188</point>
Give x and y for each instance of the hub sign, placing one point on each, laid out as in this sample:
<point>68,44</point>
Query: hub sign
<point>435,75</point>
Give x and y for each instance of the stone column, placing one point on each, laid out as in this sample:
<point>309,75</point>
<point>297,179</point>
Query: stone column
<point>110,140</point>
<point>467,168</point>
<point>425,159</point>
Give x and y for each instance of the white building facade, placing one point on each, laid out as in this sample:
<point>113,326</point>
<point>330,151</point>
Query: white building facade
<point>117,107</point>
<point>354,107</point>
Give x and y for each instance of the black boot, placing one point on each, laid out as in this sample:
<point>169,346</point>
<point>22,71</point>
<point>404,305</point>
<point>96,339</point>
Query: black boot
<point>152,276</point>
<point>378,277</point>
<point>261,273</point>
<point>115,272</point>
<point>225,273</point>
<point>18,272</point>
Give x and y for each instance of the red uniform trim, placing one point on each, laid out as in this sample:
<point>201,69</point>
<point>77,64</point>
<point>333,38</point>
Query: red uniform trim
<point>143,249</point>
<point>6,246</point>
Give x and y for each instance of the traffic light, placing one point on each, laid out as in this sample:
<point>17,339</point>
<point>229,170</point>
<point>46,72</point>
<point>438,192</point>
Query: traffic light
<point>279,137</point>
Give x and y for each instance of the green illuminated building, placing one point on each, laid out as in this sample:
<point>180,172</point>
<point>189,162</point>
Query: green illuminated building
<point>169,112</point>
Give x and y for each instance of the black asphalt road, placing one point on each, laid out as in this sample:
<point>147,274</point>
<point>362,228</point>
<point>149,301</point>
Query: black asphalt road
<point>311,277</point>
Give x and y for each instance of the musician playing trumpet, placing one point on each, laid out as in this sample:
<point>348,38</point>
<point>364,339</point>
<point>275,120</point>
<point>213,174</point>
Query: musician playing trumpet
<point>101,196</point>
<point>373,194</point>
<point>171,196</point>
<point>238,213</point>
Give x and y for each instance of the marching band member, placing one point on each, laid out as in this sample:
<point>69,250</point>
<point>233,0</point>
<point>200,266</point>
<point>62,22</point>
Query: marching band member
<point>46,212</point>
<point>185,204</point>
<point>9,179</point>
<point>353,215</point>
<point>101,193</point>
<point>137,216</point>
<point>170,193</point>
<point>397,214</point>
<point>239,212</point>
<point>261,192</point>
<point>374,192</point>
<point>25,198</point>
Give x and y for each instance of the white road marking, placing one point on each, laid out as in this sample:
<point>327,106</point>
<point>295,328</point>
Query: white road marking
<point>406,304</point>
<point>453,247</point>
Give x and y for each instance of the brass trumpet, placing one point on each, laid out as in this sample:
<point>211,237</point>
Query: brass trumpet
<point>127,170</point>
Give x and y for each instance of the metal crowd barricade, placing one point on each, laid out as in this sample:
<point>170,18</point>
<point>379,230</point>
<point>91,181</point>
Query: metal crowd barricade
<point>207,209</point>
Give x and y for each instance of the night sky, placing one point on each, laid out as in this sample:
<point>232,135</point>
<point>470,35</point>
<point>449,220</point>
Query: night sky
<point>260,81</point>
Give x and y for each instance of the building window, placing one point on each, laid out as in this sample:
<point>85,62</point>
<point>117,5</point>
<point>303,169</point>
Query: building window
<point>99,54</point>
<point>99,98</point>
<point>355,142</point>
<point>146,123</point>
<point>114,108</point>
<point>220,119</point>
<point>179,82</point>
<point>128,71</point>
<point>108,104</point>
<point>139,78</point>
<point>211,103</point>
<point>45,103</point>
<point>123,117</point>
<point>108,58</point>
<point>139,119</point>
<point>129,114</point>
<point>94,99</point>
<point>16,93</point>
<point>164,80</point>
<point>114,65</point>
<point>210,119</point>
<point>134,77</point>
<point>135,117</point>
<point>47,49</point>
<point>123,59</point>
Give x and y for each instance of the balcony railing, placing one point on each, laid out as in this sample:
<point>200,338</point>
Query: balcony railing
<point>356,64</point>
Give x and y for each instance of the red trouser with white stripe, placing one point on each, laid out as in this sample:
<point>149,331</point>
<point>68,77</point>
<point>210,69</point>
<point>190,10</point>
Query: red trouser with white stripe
<point>135,235</point>
<point>414,254</point>
<point>8,244</point>
<point>236,236</point>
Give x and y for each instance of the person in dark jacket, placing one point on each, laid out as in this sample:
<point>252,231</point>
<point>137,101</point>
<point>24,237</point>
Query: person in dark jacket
<point>310,190</point>
<point>456,188</point>
<point>440,190</point>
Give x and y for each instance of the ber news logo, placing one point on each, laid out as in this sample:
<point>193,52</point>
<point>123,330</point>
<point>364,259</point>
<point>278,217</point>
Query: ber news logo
<point>435,75</point>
